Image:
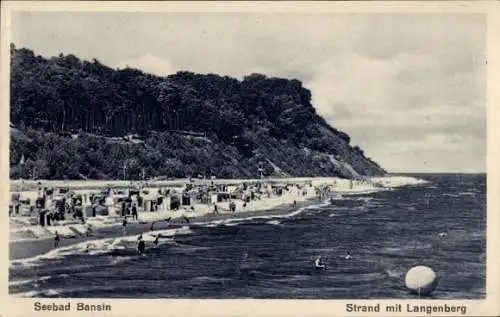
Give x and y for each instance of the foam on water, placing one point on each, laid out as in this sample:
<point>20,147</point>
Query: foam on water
<point>28,281</point>
<point>28,294</point>
<point>118,260</point>
<point>301,210</point>
<point>236,221</point>
<point>100,246</point>
<point>274,222</point>
<point>394,273</point>
<point>468,193</point>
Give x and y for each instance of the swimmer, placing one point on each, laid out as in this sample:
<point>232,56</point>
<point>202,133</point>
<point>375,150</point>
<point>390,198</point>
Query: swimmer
<point>141,245</point>
<point>56,240</point>
<point>124,225</point>
<point>318,264</point>
<point>348,255</point>
<point>88,246</point>
<point>89,230</point>
<point>443,234</point>
<point>157,240</point>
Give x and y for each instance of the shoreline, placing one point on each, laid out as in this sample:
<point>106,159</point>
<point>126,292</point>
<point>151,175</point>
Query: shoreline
<point>26,184</point>
<point>24,249</point>
<point>276,206</point>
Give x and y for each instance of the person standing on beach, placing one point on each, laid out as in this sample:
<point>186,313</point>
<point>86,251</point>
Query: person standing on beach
<point>134,212</point>
<point>216,211</point>
<point>232,206</point>
<point>124,208</point>
<point>124,225</point>
<point>56,240</point>
<point>141,245</point>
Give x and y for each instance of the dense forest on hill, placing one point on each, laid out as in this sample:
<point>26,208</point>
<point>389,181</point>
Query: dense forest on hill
<point>73,119</point>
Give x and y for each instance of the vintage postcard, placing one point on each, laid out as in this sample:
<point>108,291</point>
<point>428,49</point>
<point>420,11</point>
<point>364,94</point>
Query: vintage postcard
<point>250,159</point>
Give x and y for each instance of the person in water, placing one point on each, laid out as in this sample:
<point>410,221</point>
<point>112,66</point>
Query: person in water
<point>56,240</point>
<point>141,245</point>
<point>124,225</point>
<point>89,230</point>
<point>319,264</point>
<point>348,255</point>
<point>157,240</point>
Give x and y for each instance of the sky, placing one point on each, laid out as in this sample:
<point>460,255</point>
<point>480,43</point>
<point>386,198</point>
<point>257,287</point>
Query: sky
<point>410,89</point>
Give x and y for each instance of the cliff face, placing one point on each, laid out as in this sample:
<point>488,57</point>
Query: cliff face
<point>79,119</point>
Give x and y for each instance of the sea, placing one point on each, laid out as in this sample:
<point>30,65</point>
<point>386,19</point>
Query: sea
<point>386,233</point>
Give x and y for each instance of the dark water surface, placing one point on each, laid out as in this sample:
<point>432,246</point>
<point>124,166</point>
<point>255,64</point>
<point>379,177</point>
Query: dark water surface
<point>386,232</point>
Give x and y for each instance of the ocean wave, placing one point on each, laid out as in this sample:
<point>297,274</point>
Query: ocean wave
<point>274,222</point>
<point>395,274</point>
<point>210,279</point>
<point>101,246</point>
<point>232,224</point>
<point>29,294</point>
<point>121,259</point>
<point>301,210</point>
<point>28,281</point>
<point>390,249</point>
<point>237,221</point>
<point>59,292</point>
<point>467,193</point>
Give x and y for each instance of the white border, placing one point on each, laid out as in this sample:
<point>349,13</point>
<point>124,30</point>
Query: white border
<point>490,307</point>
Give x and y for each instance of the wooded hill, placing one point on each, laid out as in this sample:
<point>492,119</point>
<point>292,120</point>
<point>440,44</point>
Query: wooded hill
<point>73,119</point>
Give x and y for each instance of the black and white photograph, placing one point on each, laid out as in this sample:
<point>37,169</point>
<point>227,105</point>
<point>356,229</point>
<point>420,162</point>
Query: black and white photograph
<point>247,155</point>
